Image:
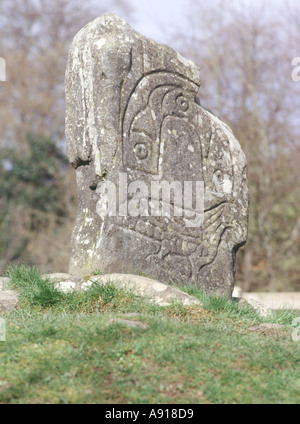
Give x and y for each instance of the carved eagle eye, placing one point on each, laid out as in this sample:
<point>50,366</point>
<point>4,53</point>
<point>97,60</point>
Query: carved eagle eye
<point>182,103</point>
<point>218,178</point>
<point>141,151</point>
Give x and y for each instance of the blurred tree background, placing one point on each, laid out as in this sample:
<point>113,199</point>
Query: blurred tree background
<point>245,51</point>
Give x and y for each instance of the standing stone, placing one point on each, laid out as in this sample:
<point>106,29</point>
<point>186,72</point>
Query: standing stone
<point>133,123</point>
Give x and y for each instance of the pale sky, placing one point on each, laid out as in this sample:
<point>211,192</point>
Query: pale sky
<point>157,19</point>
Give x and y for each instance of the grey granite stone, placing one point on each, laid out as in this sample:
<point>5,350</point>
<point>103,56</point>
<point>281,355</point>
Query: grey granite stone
<point>133,120</point>
<point>3,282</point>
<point>161,294</point>
<point>129,323</point>
<point>8,300</point>
<point>269,329</point>
<point>57,276</point>
<point>66,286</point>
<point>261,309</point>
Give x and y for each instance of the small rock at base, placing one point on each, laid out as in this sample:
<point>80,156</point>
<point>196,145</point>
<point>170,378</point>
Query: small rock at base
<point>262,310</point>
<point>3,282</point>
<point>8,300</point>
<point>267,327</point>
<point>66,286</point>
<point>128,323</point>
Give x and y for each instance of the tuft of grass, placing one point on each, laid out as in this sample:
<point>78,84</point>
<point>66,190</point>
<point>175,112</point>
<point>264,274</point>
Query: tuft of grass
<point>33,289</point>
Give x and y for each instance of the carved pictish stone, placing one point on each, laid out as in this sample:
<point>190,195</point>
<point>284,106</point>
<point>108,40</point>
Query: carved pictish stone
<point>133,124</point>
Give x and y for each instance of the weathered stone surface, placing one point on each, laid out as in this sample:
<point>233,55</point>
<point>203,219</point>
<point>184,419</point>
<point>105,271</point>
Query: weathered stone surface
<point>282,300</point>
<point>269,329</point>
<point>132,111</point>
<point>160,293</point>
<point>129,323</point>
<point>57,277</point>
<point>66,286</point>
<point>3,282</point>
<point>8,300</point>
<point>261,309</point>
<point>271,300</point>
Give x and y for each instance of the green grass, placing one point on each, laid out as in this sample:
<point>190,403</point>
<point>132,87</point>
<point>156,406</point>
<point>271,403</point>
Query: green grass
<point>32,288</point>
<point>67,348</point>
